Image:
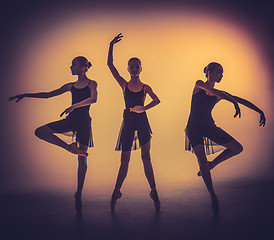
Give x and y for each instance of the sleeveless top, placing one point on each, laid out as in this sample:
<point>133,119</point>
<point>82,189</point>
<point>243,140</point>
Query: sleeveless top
<point>133,99</point>
<point>201,108</point>
<point>133,120</point>
<point>78,95</point>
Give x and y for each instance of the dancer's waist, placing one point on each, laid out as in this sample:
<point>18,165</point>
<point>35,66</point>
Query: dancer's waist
<point>127,112</point>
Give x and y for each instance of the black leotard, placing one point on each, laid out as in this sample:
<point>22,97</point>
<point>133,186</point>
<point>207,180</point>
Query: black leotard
<point>78,95</point>
<point>201,107</point>
<point>78,121</point>
<point>133,122</point>
<point>201,126</point>
<point>133,99</point>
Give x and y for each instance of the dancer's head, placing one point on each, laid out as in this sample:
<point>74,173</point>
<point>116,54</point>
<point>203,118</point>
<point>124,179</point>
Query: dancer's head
<point>214,71</point>
<point>80,65</point>
<point>134,67</point>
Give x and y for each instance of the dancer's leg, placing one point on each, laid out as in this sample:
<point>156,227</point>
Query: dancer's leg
<point>202,160</point>
<point>81,173</point>
<point>232,148</point>
<point>45,133</point>
<point>82,168</point>
<point>145,153</point>
<point>125,157</point>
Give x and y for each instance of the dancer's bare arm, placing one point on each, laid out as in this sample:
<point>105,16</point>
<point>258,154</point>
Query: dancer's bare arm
<point>92,99</point>
<point>220,94</point>
<point>122,82</point>
<point>251,106</point>
<point>56,92</point>
<point>155,101</point>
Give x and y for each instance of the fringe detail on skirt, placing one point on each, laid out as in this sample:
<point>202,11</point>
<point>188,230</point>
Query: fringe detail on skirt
<point>210,146</point>
<point>70,137</point>
<point>135,145</point>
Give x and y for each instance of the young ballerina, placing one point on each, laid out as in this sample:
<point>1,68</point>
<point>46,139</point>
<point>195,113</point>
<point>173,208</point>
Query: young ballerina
<point>201,126</point>
<point>84,93</point>
<point>135,119</point>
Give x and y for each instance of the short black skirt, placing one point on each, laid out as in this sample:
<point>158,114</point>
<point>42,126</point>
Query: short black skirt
<point>79,127</point>
<point>134,126</point>
<point>211,136</point>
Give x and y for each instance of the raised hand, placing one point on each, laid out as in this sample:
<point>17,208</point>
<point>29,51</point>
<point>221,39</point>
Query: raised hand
<point>138,109</point>
<point>19,97</point>
<point>238,111</point>
<point>118,38</point>
<point>262,119</point>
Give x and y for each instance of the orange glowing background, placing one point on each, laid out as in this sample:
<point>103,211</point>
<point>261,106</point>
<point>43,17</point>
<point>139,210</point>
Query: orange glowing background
<point>174,47</point>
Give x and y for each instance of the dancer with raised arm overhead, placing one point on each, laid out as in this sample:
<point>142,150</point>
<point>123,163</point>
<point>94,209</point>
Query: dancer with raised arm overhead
<point>84,93</point>
<point>135,119</point>
<point>201,128</point>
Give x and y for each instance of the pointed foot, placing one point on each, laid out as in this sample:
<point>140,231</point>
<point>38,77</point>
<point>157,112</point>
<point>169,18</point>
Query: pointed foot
<point>115,196</point>
<point>75,150</point>
<point>78,202</point>
<point>215,205</point>
<point>154,196</point>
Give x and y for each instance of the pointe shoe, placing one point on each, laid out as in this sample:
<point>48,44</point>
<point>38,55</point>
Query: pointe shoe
<point>78,202</point>
<point>115,196</point>
<point>74,149</point>
<point>215,205</point>
<point>154,196</point>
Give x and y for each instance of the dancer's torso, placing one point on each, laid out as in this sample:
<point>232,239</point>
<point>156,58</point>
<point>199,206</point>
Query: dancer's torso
<point>78,95</point>
<point>201,108</point>
<point>133,99</point>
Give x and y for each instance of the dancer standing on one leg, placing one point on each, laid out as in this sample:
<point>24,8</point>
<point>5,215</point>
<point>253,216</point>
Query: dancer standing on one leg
<point>135,119</point>
<point>201,125</point>
<point>84,93</point>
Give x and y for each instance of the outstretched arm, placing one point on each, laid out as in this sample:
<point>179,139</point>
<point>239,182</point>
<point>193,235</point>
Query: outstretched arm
<point>122,82</point>
<point>53,93</point>
<point>220,94</point>
<point>251,106</point>
<point>155,101</point>
<point>92,99</point>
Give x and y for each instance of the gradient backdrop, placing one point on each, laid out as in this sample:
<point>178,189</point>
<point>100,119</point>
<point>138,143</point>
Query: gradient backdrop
<point>175,41</point>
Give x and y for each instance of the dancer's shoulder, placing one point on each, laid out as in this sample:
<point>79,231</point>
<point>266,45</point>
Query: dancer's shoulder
<point>92,84</point>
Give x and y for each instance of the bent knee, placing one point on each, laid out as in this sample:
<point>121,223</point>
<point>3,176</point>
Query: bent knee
<point>40,132</point>
<point>238,148</point>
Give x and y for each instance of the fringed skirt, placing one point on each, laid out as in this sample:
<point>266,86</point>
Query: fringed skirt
<point>71,136</point>
<point>135,126</point>
<point>213,138</point>
<point>74,130</point>
<point>210,146</point>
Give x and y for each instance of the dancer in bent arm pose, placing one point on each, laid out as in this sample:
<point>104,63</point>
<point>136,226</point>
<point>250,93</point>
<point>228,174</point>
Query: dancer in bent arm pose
<point>84,93</point>
<point>201,125</point>
<point>135,119</point>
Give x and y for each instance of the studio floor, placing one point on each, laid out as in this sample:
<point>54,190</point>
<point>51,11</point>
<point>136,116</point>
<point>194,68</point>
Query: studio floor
<point>247,212</point>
